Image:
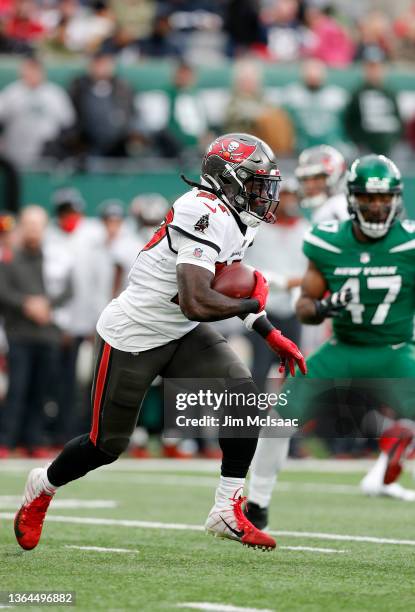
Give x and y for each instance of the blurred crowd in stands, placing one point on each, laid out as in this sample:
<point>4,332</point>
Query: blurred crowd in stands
<point>100,116</point>
<point>335,31</point>
<point>56,276</point>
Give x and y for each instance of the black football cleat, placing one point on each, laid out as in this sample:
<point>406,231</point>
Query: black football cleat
<point>256,515</point>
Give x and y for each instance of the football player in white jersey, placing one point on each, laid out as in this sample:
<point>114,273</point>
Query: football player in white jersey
<point>157,327</point>
<point>321,173</point>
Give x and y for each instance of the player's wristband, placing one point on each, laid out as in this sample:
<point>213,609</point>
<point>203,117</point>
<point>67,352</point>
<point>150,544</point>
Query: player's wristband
<point>252,318</point>
<point>322,310</point>
<point>263,327</point>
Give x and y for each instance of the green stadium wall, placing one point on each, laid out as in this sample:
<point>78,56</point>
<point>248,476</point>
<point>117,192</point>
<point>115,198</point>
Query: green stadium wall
<point>38,187</point>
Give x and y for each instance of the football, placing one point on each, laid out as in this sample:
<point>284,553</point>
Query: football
<point>236,280</point>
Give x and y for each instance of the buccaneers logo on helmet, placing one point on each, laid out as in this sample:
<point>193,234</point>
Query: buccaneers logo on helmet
<point>230,150</point>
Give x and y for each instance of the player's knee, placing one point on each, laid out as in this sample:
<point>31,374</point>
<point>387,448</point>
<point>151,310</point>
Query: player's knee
<point>238,370</point>
<point>114,446</point>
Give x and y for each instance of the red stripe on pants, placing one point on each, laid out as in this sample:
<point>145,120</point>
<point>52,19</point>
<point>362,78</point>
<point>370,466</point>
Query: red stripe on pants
<point>99,389</point>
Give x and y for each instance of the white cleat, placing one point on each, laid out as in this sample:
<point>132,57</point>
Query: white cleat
<point>372,484</point>
<point>394,490</point>
<point>231,523</point>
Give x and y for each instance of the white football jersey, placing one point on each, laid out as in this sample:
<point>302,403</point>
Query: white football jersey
<point>200,230</point>
<point>333,209</point>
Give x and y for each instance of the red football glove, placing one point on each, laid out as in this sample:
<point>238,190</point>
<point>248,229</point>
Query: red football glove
<point>261,290</point>
<point>287,350</point>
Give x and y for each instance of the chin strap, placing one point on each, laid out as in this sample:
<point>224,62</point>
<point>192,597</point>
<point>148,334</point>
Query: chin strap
<point>234,212</point>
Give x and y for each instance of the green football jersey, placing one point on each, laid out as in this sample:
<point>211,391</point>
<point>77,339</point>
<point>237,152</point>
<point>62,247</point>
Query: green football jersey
<point>381,275</point>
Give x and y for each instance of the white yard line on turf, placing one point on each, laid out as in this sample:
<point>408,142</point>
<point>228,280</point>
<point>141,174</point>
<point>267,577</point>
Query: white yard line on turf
<point>12,501</point>
<point>217,607</point>
<point>128,550</point>
<point>313,549</point>
<point>102,549</point>
<point>202,465</point>
<point>81,520</point>
<point>209,483</point>
<point>343,538</point>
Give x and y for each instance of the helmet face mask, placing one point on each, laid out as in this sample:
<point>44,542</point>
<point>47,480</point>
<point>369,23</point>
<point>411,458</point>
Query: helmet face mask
<point>314,190</point>
<point>242,170</point>
<point>374,194</point>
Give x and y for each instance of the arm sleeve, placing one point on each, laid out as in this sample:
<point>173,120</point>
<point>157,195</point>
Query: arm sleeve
<point>192,252</point>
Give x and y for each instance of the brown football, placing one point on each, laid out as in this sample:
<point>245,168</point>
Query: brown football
<point>236,280</point>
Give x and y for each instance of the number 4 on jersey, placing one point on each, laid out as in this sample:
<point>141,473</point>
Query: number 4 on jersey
<point>392,285</point>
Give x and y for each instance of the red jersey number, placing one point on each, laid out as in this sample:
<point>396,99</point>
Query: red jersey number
<point>160,233</point>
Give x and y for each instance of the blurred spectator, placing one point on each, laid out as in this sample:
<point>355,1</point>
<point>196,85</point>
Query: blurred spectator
<point>7,239</point>
<point>33,112</point>
<point>285,31</point>
<point>160,42</point>
<point>146,213</point>
<point>404,29</point>
<point>372,117</point>
<point>12,45</point>
<point>7,227</point>
<point>81,239</point>
<point>328,41</point>
<point>375,30</point>
<point>111,214</point>
<point>243,25</point>
<point>83,29</point>
<point>61,17</point>
<point>248,110</point>
<point>24,23</point>
<point>187,122</point>
<point>122,44</point>
<point>10,185</point>
<point>316,108</point>
<point>33,285</point>
<point>197,29</point>
<point>279,255</point>
<point>104,107</point>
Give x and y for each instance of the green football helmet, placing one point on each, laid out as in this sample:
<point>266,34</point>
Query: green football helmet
<point>368,175</point>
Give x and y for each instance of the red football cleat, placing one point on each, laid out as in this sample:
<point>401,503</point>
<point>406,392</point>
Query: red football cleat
<point>233,524</point>
<point>29,519</point>
<point>395,442</point>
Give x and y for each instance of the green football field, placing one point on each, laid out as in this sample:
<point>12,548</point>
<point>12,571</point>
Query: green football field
<point>337,549</point>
